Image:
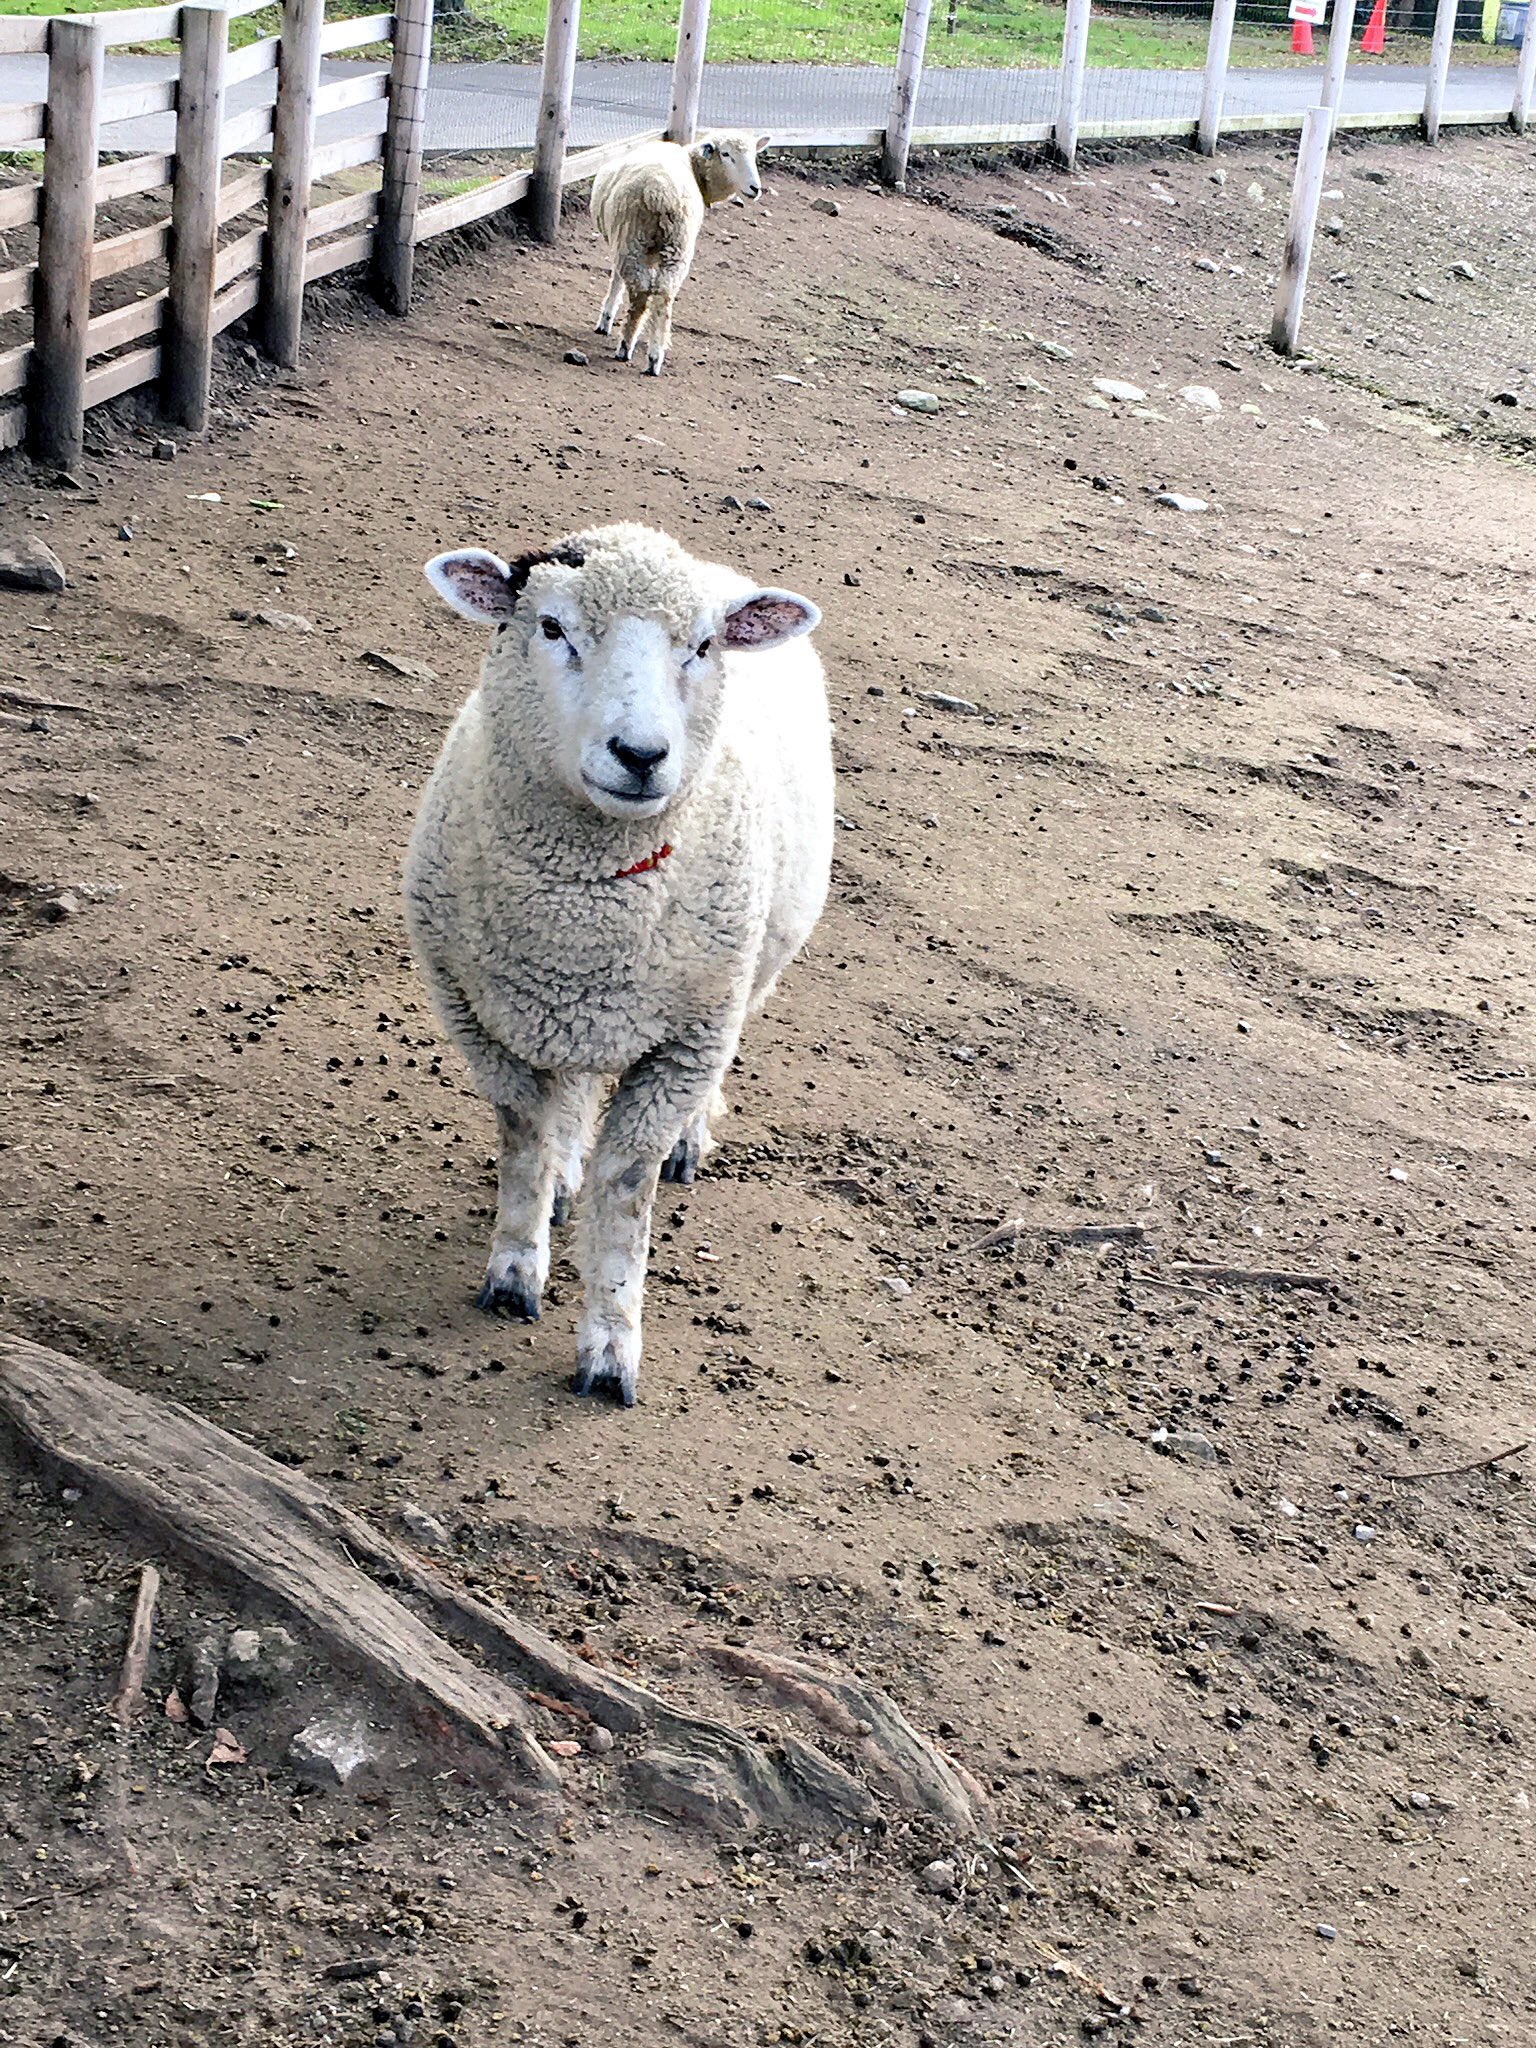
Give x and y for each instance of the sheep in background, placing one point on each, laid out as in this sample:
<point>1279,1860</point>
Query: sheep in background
<point>648,208</point>
<point>626,838</point>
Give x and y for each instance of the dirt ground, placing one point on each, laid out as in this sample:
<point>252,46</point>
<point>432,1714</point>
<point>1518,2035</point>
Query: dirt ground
<point>1214,918</point>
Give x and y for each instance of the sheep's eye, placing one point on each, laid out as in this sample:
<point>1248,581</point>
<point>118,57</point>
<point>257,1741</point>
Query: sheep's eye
<point>702,649</point>
<point>551,629</point>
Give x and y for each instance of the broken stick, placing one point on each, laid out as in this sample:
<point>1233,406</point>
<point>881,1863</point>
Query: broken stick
<point>136,1657</point>
<point>1456,1471</point>
<point>1248,1276</point>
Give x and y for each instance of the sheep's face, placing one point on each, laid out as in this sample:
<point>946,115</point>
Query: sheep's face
<point>726,167</point>
<point>621,654</point>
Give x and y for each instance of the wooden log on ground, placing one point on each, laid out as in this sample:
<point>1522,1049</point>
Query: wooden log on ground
<point>136,1657</point>
<point>229,1509</point>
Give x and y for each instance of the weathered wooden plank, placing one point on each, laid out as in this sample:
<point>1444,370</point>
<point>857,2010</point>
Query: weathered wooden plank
<point>130,102</point>
<point>338,255</point>
<point>586,163</point>
<point>354,34</point>
<point>13,368</point>
<point>239,194</point>
<point>405,137</point>
<point>16,288</point>
<point>23,35</point>
<point>238,257</point>
<point>13,425</point>
<point>239,299</point>
<point>19,205</point>
<point>62,297</point>
<point>114,330</point>
<point>127,252</point>
<point>247,132</point>
<point>351,92</point>
<point>133,174</point>
<point>337,214</point>
<point>250,62</point>
<point>350,149</point>
<point>292,147</point>
<point>126,373</point>
<point>561,30</point>
<point>446,214</point>
<point>22,123</point>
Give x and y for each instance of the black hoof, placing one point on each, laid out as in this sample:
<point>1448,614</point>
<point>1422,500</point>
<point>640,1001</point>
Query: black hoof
<point>508,1297</point>
<point>682,1163</point>
<point>560,1212</point>
<point>588,1381</point>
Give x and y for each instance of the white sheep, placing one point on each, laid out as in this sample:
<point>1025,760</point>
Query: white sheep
<point>626,838</point>
<point>648,207</point>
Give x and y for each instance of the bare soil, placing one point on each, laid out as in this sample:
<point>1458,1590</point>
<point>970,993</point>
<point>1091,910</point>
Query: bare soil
<point>1214,918</point>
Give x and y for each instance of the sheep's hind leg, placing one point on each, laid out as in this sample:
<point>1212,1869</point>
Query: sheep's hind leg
<point>634,319</point>
<point>664,1093</point>
<point>659,337</point>
<point>695,1145</point>
<point>525,1175</point>
<point>612,303</point>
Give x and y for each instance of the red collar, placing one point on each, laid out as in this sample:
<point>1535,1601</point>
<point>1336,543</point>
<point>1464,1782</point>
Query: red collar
<point>647,866</point>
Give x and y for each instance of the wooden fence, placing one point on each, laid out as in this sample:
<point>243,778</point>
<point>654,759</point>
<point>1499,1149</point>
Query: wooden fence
<point>239,221</point>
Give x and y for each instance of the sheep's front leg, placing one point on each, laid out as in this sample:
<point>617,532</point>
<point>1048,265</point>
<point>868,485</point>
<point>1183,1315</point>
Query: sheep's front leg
<point>612,303</point>
<point>656,1101</point>
<point>574,1117</point>
<point>695,1145</point>
<point>528,1130</point>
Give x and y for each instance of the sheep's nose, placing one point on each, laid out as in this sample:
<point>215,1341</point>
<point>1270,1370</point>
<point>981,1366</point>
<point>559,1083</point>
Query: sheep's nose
<point>753,191</point>
<point>638,760</point>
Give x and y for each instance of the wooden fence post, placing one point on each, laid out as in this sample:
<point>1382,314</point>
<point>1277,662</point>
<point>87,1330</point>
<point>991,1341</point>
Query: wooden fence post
<point>1074,64</point>
<point>909,76</point>
<point>1311,164</point>
<point>1341,27</point>
<point>688,71</point>
<point>61,301</point>
<point>186,350</point>
<point>1525,77</point>
<point>405,134</point>
<point>293,142</point>
<point>1439,64</point>
<point>1218,54</point>
<point>560,33</point>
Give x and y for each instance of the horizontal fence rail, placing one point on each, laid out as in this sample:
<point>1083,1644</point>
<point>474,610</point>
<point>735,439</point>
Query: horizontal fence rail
<point>233,177</point>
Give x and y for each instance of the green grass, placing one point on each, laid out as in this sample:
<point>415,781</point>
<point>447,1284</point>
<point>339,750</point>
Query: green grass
<point>987,32</point>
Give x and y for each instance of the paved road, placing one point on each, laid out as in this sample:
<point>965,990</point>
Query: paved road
<point>493,106</point>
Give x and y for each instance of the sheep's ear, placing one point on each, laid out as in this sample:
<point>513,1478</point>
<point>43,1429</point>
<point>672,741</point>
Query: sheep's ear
<point>706,150</point>
<point>475,584</point>
<point>767,618</point>
<point>762,142</point>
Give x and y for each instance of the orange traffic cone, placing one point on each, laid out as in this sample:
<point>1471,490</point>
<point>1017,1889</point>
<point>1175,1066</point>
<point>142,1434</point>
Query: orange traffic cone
<point>1301,39</point>
<point>1374,41</point>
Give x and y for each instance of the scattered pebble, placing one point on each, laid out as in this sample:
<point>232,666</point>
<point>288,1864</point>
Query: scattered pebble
<point>1205,263</point>
<point>1117,388</point>
<point>1464,270</point>
<point>599,1740</point>
<point>941,702</point>
<point>939,1877</point>
<point>578,356</point>
<point>1177,502</point>
<point>330,1752</point>
<point>1364,1533</point>
<point>918,401</point>
<point>1255,192</point>
<point>1201,397</point>
<point>399,665</point>
<point>423,1528</point>
<point>758,505</point>
<point>164,451</point>
<point>28,563</point>
<point>1325,1932</point>
<point>895,1285</point>
<point>283,622</point>
<point>829,206</point>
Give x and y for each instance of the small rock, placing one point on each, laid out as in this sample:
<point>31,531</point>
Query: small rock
<point>1115,387</point>
<point>426,1529</point>
<point>731,503</point>
<point>1396,1173</point>
<point>577,356</point>
<point>1464,270</point>
<point>1218,177</point>
<point>1288,1508</point>
<point>1375,177</point>
<point>399,665</point>
<point>1419,292</point>
<point>1255,192</point>
<point>1205,263</point>
<point>1364,1533</point>
<point>895,1285</point>
<point>1032,384</point>
<point>826,206</point>
<point>1097,404</point>
<point>939,1877</point>
<point>1058,350</point>
<point>790,380</point>
<point>330,1752</point>
<point>1506,398</point>
<point>564,1747</point>
<point>599,1740</point>
<point>65,904</point>
<point>1333,225</point>
<point>1201,397</point>
<point>260,1657</point>
<point>918,401</point>
<point>941,702</point>
<point>125,531</point>
<point>758,505</point>
<point>1185,1443</point>
<point>283,622</point>
<point>164,451</point>
<point>1420,1801</point>
<point>243,1653</point>
<point>1176,502</point>
<point>204,1665</point>
<point>1325,1932</point>
<point>28,563</point>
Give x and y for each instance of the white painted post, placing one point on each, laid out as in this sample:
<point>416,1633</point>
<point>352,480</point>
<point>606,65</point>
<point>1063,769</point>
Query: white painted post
<point>1074,65</point>
<point>61,291</point>
<point>405,134</point>
<point>1218,52</point>
<point>909,76</point>
<point>1525,76</point>
<point>186,354</point>
<point>293,143</point>
<point>688,71</point>
<point>1311,163</point>
<point>1439,64</point>
<point>1341,27</point>
<point>560,33</point>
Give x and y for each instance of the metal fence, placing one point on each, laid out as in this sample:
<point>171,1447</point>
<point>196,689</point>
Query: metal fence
<point>149,198</point>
